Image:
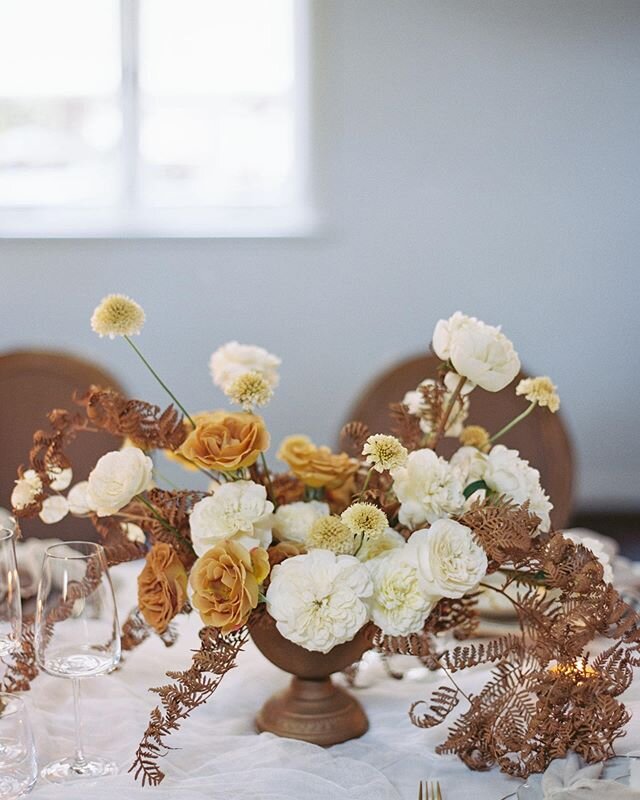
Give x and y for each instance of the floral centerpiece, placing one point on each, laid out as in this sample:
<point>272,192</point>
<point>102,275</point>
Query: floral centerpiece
<point>385,544</point>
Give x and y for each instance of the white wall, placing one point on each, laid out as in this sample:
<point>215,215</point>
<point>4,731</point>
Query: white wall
<point>473,155</point>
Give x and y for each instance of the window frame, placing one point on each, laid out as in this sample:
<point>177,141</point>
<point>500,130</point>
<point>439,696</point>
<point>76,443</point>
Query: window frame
<point>129,220</point>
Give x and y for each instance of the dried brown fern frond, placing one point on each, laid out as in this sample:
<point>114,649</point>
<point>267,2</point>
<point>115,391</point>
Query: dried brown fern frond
<point>471,655</point>
<point>441,703</point>
<point>504,529</point>
<point>134,630</point>
<point>21,668</point>
<point>405,426</point>
<point>190,689</point>
<point>432,408</point>
<point>353,436</point>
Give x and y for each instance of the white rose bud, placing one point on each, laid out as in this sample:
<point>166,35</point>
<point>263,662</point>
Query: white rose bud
<point>117,478</point>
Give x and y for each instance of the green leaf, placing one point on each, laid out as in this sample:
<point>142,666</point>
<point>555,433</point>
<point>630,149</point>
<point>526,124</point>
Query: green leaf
<point>473,487</point>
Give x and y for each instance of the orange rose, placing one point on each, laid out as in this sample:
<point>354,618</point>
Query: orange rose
<point>162,586</point>
<point>226,441</point>
<point>225,583</point>
<point>283,550</point>
<point>316,466</point>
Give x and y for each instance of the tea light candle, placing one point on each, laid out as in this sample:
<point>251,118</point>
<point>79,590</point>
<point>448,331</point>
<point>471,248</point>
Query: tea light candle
<point>579,670</point>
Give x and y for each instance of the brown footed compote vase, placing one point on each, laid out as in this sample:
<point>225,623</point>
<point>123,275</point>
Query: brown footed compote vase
<point>312,707</point>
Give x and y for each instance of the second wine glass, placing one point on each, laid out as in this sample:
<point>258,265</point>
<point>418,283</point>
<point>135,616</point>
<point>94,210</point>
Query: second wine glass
<point>77,635</point>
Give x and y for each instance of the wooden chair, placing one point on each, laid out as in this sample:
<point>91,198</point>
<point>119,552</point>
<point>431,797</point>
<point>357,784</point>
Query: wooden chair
<point>541,438</point>
<point>31,385</point>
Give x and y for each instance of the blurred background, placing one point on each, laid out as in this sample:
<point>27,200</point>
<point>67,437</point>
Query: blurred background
<point>327,179</point>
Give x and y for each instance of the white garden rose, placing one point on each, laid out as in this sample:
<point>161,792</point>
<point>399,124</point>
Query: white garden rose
<point>479,352</point>
<point>319,600</point>
<point>54,508</point>
<point>78,499</point>
<point>428,488</point>
<point>470,463</point>
<point>399,605</point>
<point>239,511</point>
<point>414,400</point>
<point>233,360</point>
<point>293,522</point>
<point>27,488</point>
<point>117,478</point>
<point>507,474</point>
<point>448,560</point>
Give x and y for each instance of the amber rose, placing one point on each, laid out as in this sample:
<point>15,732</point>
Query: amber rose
<point>226,441</point>
<point>225,583</point>
<point>162,586</point>
<point>316,466</point>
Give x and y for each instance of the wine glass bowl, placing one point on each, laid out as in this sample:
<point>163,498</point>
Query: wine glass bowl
<point>18,765</point>
<point>10,600</point>
<point>77,635</point>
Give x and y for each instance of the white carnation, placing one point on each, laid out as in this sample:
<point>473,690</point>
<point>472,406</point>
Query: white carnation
<point>428,488</point>
<point>293,522</point>
<point>479,352</point>
<point>319,600</point>
<point>414,400</point>
<point>448,560</point>
<point>54,509</point>
<point>399,605</point>
<point>239,511</point>
<point>117,478</point>
<point>507,474</point>
<point>27,488</point>
<point>233,360</point>
<point>78,499</point>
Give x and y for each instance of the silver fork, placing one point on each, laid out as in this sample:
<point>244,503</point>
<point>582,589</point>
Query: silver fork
<point>429,790</point>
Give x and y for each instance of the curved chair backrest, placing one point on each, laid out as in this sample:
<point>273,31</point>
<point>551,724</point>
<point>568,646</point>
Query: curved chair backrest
<point>32,383</point>
<point>541,438</point>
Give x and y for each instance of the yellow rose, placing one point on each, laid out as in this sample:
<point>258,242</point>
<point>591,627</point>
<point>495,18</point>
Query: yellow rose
<point>316,466</point>
<point>225,583</point>
<point>162,586</point>
<point>225,441</point>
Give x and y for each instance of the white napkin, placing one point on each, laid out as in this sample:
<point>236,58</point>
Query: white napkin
<point>567,779</point>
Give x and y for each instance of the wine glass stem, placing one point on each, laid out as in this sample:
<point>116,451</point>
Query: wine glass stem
<point>80,761</point>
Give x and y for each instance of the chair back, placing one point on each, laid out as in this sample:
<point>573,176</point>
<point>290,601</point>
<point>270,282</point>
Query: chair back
<point>541,438</point>
<point>32,384</point>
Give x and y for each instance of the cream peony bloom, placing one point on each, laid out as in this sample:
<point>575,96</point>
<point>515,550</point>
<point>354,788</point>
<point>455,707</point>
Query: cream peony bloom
<point>399,605</point>
<point>415,402</point>
<point>384,452</point>
<point>507,474</point>
<point>27,488</point>
<point>233,360</point>
<point>117,478</point>
<point>78,499</point>
<point>479,352</point>
<point>448,560</point>
<point>293,522</point>
<point>427,488</point>
<point>117,315</point>
<point>54,508</point>
<point>238,511</point>
<point>319,600</point>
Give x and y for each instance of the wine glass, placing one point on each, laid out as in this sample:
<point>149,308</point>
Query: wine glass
<point>10,601</point>
<point>77,635</point>
<point>18,765</point>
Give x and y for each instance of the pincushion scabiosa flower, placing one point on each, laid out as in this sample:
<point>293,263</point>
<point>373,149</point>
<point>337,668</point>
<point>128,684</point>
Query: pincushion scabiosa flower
<point>225,581</point>
<point>475,436</point>
<point>479,352</point>
<point>117,478</point>
<point>330,533</point>
<point>365,520</point>
<point>541,391</point>
<point>448,560</point>
<point>117,315</point>
<point>399,605</point>
<point>319,600</point>
<point>428,488</point>
<point>293,522</point>
<point>249,390</point>
<point>384,452</point>
<point>26,490</point>
<point>233,360</point>
<point>238,511</point>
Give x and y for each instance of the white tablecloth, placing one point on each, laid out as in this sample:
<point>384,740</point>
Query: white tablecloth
<point>220,755</point>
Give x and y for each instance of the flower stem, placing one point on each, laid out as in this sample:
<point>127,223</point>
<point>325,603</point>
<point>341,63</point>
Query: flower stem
<point>161,382</point>
<point>513,423</point>
<point>447,413</point>
<point>366,483</point>
<point>166,524</point>
<point>267,476</point>
<point>164,478</point>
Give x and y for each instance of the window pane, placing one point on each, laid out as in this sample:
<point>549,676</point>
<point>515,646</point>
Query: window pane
<point>218,102</point>
<point>60,121</point>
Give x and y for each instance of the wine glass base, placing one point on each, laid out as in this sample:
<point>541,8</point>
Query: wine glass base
<point>68,769</point>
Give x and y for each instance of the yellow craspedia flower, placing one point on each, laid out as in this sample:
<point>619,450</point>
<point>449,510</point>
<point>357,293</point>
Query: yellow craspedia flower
<point>365,519</point>
<point>541,391</point>
<point>475,436</point>
<point>117,315</point>
<point>330,533</point>
<point>384,452</point>
<point>249,390</point>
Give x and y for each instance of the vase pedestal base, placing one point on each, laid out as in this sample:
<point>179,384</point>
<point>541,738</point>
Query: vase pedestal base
<point>316,711</point>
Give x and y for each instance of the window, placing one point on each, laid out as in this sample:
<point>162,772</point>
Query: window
<point>153,117</point>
